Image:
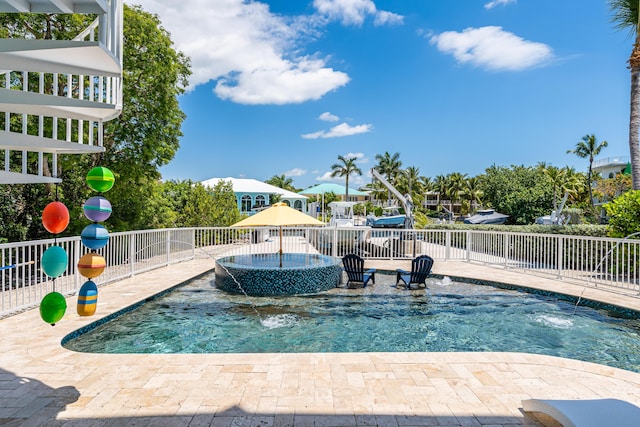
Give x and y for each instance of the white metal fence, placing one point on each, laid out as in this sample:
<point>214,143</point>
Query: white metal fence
<point>612,263</point>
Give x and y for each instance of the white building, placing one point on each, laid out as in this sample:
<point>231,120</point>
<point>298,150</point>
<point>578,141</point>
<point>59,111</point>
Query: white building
<point>252,194</point>
<point>610,166</point>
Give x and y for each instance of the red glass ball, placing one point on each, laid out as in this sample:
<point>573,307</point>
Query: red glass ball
<point>55,217</point>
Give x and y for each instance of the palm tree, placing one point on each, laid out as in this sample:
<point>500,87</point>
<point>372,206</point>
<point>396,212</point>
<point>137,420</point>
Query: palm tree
<point>410,179</point>
<point>589,148</point>
<point>281,181</point>
<point>346,168</point>
<point>440,185</point>
<point>456,184</point>
<point>389,166</point>
<point>558,179</point>
<point>473,191</point>
<point>626,16</point>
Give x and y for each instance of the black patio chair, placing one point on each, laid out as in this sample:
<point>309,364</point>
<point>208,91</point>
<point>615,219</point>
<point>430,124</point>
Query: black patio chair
<point>420,270</point>
<point>354,267</point>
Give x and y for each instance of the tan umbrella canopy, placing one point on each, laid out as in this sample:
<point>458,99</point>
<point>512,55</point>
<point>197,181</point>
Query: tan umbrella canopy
<point>278,215</point>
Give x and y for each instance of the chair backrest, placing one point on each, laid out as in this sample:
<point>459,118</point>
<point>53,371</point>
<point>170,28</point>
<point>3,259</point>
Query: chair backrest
<point>421,268</point>
<point>354,267</point>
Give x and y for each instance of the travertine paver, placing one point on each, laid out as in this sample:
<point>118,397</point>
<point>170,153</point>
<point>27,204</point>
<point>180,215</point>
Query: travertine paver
<point>41,383</point>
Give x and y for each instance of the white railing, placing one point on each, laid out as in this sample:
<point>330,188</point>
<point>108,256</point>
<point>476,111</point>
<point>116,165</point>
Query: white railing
<point>612,264</point>
<point>618,160</point>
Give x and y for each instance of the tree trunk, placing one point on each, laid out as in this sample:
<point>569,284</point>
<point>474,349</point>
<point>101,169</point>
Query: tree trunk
<point>634,119</point>
<point>589,175</point>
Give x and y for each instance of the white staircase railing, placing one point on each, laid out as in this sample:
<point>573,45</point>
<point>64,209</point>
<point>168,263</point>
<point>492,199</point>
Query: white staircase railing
<point>55,95</point>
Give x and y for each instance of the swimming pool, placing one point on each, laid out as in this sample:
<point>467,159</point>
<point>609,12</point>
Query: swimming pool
<point>449,316</point>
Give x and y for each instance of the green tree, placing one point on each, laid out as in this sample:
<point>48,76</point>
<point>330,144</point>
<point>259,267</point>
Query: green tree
<point>472,191</point>
<point>389,166</point>
<point>409,181</point>
<point>624,214</point>
<point>346,167</point>
<point>625,16</point>
<point>589,148</point>
<point>521,192</point>
<point>557,178</point>
<point>225,205</point>
<point>282,181</point>
<point>200,208</point>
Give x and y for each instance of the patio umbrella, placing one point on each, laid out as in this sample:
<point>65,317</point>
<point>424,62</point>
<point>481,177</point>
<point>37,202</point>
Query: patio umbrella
<point>278,215</point>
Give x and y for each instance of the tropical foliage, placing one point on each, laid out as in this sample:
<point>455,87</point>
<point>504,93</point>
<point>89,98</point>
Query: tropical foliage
<point>624,214</point>
<point>589,148</point>
<point>345,167</point>
<point>282,181</point>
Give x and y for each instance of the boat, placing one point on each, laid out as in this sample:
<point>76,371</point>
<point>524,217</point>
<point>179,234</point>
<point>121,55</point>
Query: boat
<point>391,218</point>
<point>486,216</point>
<point>342,228</point>
<point>342,214</point>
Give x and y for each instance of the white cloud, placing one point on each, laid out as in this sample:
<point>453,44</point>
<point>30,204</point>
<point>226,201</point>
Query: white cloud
<point>492,48</point>
<point>343,129</point>
<point>360,157</point>
<point>296,172</point>
<point>384,18</point>
<point>353,12</point>
<point>328,117</point>
<point>283,83</point>
<point>354,180</point>
<point>327,177</point>
<point>251,52</point>
<point>494,3</point>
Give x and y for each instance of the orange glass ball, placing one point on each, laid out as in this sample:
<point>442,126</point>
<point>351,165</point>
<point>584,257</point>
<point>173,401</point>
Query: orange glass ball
<point>91,265</point>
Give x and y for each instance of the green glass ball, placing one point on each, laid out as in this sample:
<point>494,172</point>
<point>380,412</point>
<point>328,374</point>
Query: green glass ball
<point>52,307</point>
<point>100,179</point>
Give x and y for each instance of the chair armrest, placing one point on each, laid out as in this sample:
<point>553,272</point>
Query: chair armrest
<point>370,271</point>
<point>401,271</point>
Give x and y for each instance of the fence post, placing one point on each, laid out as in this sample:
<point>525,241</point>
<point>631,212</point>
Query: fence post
<point>74,260</point>
<point>559,249</point>
<point>505,249</point>
<point>447,245</point>
<point>334,244</point>
<point>168,247</point>
<point>132,254</point>
<point>193,243</point>
<point>467,244</point>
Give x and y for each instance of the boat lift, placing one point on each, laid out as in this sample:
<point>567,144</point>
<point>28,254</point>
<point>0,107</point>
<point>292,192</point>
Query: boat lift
<point>406,201</point>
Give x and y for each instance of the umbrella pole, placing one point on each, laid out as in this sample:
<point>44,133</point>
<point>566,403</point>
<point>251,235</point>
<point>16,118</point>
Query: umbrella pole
<point>280,246</point>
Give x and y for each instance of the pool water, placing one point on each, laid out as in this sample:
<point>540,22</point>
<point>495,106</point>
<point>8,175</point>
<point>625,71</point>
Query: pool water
<point>448,316</point>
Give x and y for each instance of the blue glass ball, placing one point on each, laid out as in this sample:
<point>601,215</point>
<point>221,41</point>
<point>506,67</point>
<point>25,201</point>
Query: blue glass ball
<point>94,236</point>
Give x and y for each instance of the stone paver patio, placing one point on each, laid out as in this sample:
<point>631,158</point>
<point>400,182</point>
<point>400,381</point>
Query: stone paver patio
<point>41,383</point>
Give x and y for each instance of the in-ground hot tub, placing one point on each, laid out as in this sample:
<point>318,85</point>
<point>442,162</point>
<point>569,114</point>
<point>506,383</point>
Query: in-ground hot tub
<point>264,274</point>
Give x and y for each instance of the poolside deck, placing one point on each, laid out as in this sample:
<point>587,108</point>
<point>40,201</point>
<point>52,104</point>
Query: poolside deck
<point>41,383</point>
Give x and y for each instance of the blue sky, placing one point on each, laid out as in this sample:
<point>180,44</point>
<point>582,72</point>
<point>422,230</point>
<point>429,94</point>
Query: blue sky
<point>284,87</point>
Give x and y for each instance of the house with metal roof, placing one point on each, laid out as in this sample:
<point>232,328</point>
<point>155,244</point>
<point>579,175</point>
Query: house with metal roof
<point>337,189</point>
<point>252,194</point>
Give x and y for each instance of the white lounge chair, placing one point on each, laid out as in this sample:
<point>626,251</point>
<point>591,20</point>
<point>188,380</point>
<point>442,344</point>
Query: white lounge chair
<point>587,413</point>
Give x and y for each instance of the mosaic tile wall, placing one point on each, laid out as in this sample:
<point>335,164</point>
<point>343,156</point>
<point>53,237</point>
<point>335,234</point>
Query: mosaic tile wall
<point>300,274</point>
